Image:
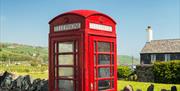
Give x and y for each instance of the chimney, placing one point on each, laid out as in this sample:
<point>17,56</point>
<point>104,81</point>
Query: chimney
<point>150,34</point>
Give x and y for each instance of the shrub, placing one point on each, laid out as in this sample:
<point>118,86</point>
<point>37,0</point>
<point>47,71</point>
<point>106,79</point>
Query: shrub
<point>34,63</point>
<point>124,72</point>
<point>167,72</point>
<point>26,70</point>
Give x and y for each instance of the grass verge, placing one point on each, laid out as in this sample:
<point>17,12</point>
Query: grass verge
<point>144,85</point>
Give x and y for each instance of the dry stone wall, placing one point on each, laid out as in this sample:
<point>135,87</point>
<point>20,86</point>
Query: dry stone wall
<point>21,83</point>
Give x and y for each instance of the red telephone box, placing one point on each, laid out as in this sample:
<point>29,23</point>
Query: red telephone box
<point>82,52</point>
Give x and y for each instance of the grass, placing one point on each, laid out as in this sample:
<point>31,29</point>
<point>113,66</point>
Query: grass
<point>42,75</point>
<point>34,75</point>
<point>33,71</point>
<point>144,85</point>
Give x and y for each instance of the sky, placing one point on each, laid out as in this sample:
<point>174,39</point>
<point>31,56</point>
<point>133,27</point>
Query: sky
<point>26,21</point>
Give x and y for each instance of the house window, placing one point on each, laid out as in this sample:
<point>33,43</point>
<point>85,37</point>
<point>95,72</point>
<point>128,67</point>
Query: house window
<point>160,57</point>
<point>175,56</point>
<point>145,58</point>
<point>153,58</point>
<point>167,57</point>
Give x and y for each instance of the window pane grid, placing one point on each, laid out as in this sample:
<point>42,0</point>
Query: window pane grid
<point>62,56</point>
<point>106,64</point>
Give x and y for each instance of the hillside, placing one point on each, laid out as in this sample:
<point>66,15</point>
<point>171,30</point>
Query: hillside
<point>18,52</point>
<point>127,60</point>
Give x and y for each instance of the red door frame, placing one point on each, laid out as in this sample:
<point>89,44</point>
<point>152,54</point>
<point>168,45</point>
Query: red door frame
<point>112,42</point>
<point>78,59</point>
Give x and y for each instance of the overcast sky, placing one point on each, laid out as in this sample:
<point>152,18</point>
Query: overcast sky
<point>26,21</point>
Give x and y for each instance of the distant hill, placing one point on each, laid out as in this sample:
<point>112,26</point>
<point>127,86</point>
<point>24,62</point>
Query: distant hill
<point>127,60</point>
<point>19,52</point>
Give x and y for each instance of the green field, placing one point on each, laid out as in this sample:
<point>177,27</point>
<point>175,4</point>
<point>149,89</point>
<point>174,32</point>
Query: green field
<point>144,85</point>
<point>38,71</point>
<point>14,53</point>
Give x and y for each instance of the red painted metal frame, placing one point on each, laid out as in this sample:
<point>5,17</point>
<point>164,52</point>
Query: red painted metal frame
<point>85,55</point>
<point>95,66</point>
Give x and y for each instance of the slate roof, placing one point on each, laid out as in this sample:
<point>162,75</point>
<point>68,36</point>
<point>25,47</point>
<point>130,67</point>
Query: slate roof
<point>162,46</point>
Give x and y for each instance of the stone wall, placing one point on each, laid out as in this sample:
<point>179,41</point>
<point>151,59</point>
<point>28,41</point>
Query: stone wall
<point>21,83</point>
<point>145,73</point>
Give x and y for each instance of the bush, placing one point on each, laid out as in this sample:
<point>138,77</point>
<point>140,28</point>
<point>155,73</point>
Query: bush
<point>133,77</point>
<point>167,72</point>
<point>124,72</point>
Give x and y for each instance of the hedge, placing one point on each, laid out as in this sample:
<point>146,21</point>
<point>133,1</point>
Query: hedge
<point>124,72</point>
<point>167,72</point>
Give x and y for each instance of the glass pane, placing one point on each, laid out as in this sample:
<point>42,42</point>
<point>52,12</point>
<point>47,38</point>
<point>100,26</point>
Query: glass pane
<point>55,60</point>
<point>94,46</point>
<point>55,47</point>
<point>66,60</point>
<point>66,47</point>
<point>76,59</point>
<point>76,47</point>
<point>112,83</point>
<point>174,56</point>
<point>104,84</point>
<point>103,72</point>
<point>77,85</point>
<point>56,28</point>
<point>112,47</point>
<point>55,64</point>
<point>55,71</point>
<point>55,85</point>
<point>66,85</point>
<point>103,47</point>
<point>66,72</point>
<point>112,71</point>
<point>160,57</point>
<point>112,59</point>
<point>103,59</point>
